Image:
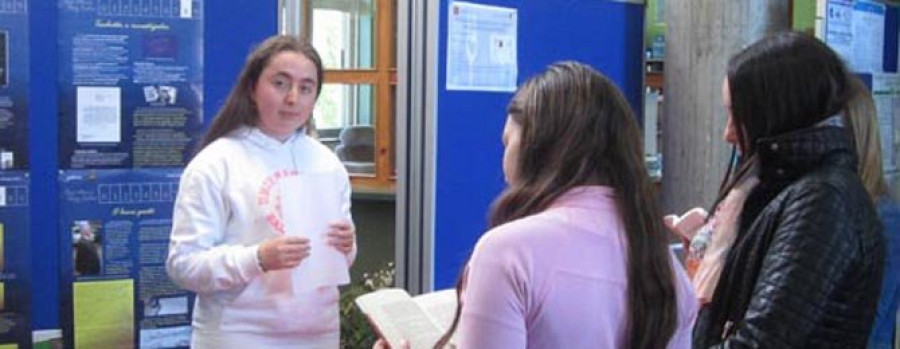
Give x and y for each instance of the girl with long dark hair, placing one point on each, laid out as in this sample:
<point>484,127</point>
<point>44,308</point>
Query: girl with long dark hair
<point>577,255</point>
<point>805,268</point>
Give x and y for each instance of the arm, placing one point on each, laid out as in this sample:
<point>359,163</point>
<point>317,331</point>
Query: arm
<point>494,298</point>
<point>808,254</point>
<point>197,260</point>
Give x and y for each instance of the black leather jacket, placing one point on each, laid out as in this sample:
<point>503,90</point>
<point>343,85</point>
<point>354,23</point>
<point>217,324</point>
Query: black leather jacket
<point>805,269</point>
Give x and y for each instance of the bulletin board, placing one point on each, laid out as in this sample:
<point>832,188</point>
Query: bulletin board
<point>605,34</point>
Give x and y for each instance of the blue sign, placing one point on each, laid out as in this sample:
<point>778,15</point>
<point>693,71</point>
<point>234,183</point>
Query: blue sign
<point>131,82</point>
<point>115,288</point>
<point>15,259</point>
<point>14,79</point>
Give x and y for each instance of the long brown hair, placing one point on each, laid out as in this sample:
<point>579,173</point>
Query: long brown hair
<point>782,83</point>
<point>863,119</point>
<point>239,109</point>
<point>577,129</point>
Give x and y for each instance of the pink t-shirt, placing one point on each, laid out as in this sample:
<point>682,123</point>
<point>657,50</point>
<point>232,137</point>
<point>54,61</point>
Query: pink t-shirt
<point>558,279</point>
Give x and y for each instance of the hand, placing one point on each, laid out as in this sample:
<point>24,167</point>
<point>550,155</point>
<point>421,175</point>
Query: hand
<point>341,236</point>
<point>282,252</point>
<point>383,344</point>
<point>669,222</point>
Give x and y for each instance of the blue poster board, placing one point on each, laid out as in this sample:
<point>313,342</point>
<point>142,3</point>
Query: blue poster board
<point>14,80</point>
<point>130,82</point>
<point>15,259</point>
<point>115,289</point>
<point>605,34</point>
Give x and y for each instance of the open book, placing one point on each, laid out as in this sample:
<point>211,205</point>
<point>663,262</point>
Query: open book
<point>420,320</point>
<point>687,224</point>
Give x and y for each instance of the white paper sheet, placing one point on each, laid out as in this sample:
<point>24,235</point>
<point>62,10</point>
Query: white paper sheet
<point>481,47</point>
<point>868,37</point>
<point>186,9</point>
<point>310,202</point>
<point>839,27</point>
<point>886,91</point>
<point>99,114</point>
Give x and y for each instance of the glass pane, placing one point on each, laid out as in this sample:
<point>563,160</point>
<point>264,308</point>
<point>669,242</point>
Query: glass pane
<point>345,119</point>
<point>393,117</point>
<point>393,47</point>
<point>343,32</point>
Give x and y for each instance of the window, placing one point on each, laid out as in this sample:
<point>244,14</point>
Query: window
<point>355,112</point>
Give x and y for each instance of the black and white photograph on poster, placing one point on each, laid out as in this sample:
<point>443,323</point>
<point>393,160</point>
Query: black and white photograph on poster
<point>160,95</point>
<point>7,160</point>
<point>4,58</point>
<point>87,254</point>
<point>162,306</point>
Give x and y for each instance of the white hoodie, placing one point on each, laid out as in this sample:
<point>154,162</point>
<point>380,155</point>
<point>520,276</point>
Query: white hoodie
<point>224,210</point>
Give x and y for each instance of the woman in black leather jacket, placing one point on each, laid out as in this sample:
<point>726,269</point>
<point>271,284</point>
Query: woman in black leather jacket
<point>805,269</point>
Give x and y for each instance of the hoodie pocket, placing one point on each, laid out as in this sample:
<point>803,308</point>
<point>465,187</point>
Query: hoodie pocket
<point>268,305</point>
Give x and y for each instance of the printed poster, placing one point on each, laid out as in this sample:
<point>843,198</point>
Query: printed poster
<point>868,37</point>
<point>117,223</point>
<point>14,84</point>
<point>481,47</point>
<point>886,91</point>
<point>15,259</point>
<point>131,82</point>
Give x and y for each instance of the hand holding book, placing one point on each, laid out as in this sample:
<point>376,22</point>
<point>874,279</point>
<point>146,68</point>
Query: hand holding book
<point>403,321</point>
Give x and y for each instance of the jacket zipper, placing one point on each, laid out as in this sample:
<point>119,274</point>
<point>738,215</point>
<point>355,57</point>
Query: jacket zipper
<point>726,330</point>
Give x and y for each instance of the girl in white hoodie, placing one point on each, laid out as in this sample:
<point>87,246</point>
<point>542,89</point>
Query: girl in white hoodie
<point>229,243</point>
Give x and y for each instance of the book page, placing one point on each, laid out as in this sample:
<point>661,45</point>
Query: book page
<point>397,317</point>
<point>440,306</point>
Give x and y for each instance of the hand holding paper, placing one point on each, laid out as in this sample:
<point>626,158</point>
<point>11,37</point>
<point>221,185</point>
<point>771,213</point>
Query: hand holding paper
<point>341,236</point>
<point>311,203</point>
<point>282,252</point>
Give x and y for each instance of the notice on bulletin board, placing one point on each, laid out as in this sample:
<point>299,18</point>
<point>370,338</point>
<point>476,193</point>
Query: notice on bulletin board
<point>886,91</point>
<point>15,260</point>
<point>868,37</point>
<point>131,82</point>
<point>118,224</point>
<point>481,47</point>
<point>855,30</point>
<point>14,84</point>
<point>839,27</point>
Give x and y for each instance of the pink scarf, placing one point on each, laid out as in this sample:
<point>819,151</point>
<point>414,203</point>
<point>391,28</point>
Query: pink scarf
<point>721,231</point>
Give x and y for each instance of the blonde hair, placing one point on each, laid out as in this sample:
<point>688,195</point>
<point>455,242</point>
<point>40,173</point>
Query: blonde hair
<point>863,119</point>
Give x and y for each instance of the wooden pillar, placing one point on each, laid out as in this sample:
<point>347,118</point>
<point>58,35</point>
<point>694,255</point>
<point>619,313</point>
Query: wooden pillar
<point>700,37</point>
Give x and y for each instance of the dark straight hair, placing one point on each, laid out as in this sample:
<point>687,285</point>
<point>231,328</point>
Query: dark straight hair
<point>577,129</point>
<point>782,83</point>
<point>239,109</point>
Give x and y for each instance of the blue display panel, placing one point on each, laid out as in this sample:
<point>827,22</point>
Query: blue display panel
<point>115,289</point>
<point>130,82</point>
<point>14,79</point>
<point>603,33</point>
<point>15,258</point>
